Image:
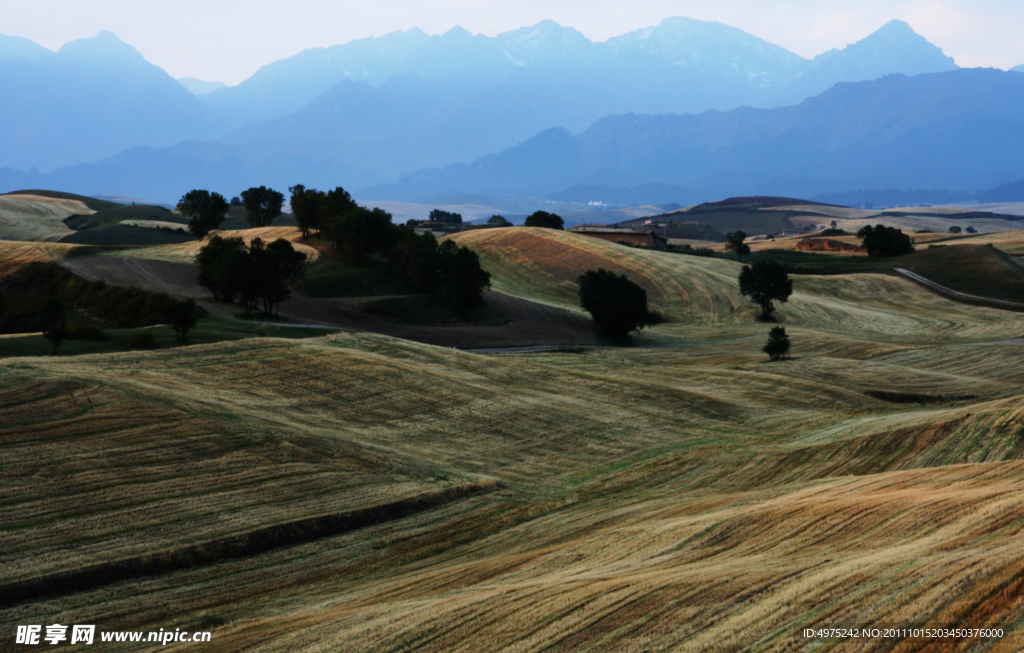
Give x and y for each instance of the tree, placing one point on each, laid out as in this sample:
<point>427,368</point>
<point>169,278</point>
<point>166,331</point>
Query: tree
<point>236,201</point>
<point>834,224</point>
<point>778,344</point>
<point>182,316</point>
<point>734,243</point>
<point>205,211</point>
<point>54,324</point>
<point>765,282</point>
<point>954,230</point>
<point>262,205</point>
<point>363,231</point>
<point>461,280</point>
<point>971,230</point>
<point>259,273</point>
<point>280,267</point>
<point>437,215</point>
<point>499,221</point>
<point>545,220</point>
<point>414,256</point>
<point>333,210</point>
<point>221,262</point>
<point>617,305</point>
<point>306,207</point>
<point>885,241</point>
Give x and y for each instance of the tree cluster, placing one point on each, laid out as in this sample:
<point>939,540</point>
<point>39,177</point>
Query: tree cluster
<point>499,220</point>
<point>262,205</point>
<point>44,294</point>
<point>778,344</point>
<point>617,304</point>
<point>446,269</point>
<point>437,215</point>
<point>258,275</point>
<point>545,220</point>
<point>885,241</point>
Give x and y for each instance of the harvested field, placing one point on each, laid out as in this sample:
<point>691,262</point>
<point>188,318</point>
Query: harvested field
<point>186,252</point>
<point>37,218</point>
<point>685,498</point>
<point>13,255</point>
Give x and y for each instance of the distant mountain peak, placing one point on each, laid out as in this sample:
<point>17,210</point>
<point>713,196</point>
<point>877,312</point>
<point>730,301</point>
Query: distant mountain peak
<point>543,42</point>
<point>17,47</point>
<point>104,45</point>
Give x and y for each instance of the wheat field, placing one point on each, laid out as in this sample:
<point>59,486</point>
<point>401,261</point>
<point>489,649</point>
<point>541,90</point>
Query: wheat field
<point>684,498</point>
<point>36,218</point>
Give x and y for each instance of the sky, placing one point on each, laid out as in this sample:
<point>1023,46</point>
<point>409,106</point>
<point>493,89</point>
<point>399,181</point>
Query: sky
<point>228,40</point>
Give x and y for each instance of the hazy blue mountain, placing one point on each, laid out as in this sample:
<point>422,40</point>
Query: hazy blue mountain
<point>16,47</point>
<point>956,130</point>
<point>1018,69</point>
<point>198,86</point>
<point>714,50</point>
<point>93,98</point>
<point>894,48</point>
<point>548,42</point>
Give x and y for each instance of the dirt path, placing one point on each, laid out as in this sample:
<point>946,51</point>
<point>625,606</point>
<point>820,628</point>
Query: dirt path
<point>956,294</point>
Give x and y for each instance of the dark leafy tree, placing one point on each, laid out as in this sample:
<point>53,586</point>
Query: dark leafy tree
<point>414,256</point>
<point>734,242</point>
<point>971,230</point>
<point>55,326</point>
<point>307,206</point>
<point>236,201</point>
<point>363,231</point>
<point>617,304</point>
<point>833,224</point>
<point>885,241</point>
<point>205,211</point>
<point>182,315</point>
<point>437,215</point>
<point>765,282</point>
<point>334,210</point>
<point>499,221</point>
<point>954,230</point>
<point>545,220</point>
<point>220,263</point>
<point>256,274</point>
<point>262,205</point>
<point>778,344</point>
<point>279,267</point>
<point>460,278</point>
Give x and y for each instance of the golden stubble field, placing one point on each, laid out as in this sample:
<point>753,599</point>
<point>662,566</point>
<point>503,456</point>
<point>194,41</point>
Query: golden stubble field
<point>685,498</point>
<point>37,218</point>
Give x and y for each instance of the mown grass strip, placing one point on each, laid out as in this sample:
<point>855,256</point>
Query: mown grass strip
<point>244,545</point>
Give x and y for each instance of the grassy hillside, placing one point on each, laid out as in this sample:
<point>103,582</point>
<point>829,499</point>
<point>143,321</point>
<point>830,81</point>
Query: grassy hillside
<point>686,499</point>
<point>700,296</point>
<point>362,492</point>
<point>92,203</point>
<point>36,218</point>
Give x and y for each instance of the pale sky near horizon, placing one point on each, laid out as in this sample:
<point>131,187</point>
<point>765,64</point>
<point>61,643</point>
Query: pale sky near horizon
<point>228,40</point>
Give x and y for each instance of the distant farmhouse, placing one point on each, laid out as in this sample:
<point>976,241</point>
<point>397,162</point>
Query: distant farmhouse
<point>636,237</point>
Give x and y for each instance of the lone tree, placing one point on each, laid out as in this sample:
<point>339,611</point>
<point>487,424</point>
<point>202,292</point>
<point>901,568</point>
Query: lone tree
<point>885,241</point>
<point>182,315</point>
<point>617,305</point>
<point>205,211</point>
<point>734,243</point>
<point>55,327</point>
<point>778,344</point>
<point>499,220</point>
<point>954,230</point>
<point>545,220</point>
<point>765,282</point>
<point>262,205</point>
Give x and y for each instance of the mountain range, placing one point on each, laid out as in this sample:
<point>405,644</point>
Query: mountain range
<point>394,113</point>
